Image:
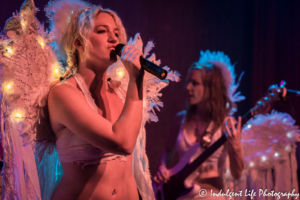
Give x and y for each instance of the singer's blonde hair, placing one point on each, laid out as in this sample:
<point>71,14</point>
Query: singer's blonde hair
<point>73,20</point>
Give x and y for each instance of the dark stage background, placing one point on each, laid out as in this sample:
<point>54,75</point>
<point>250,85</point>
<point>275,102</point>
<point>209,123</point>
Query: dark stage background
<point>262,37</point>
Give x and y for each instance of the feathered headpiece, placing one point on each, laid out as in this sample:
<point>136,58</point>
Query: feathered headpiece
<point>222,61</point>
<point>62,14</point>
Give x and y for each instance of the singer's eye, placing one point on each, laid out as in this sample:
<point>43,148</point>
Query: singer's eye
<point>117,34</point>
<point>101,31</point>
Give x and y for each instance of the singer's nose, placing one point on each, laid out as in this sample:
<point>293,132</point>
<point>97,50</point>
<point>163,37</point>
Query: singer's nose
<point>112,38</point>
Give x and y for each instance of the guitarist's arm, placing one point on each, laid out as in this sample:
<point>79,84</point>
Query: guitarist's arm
<point>169,153</point>
<point>235,149</point>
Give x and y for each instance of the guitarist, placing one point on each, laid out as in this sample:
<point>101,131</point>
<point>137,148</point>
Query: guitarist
<point>209,87</point>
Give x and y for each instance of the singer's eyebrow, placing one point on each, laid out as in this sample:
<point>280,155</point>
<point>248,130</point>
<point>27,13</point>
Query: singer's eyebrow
<point>106,26</point>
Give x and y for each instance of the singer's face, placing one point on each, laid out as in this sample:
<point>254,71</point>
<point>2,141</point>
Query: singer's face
<point>102,40</point>
<point>195,88</point>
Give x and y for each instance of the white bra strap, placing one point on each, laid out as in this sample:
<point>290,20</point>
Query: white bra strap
<point>68,83</point>
<point>79,80</point>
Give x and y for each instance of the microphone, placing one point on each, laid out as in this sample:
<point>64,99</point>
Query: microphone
<point>146,64</point>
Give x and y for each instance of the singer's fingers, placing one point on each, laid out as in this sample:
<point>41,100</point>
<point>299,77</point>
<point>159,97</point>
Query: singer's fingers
<point>125,49</point>
<point>127,53</point>
<point>136,59</point>
<point>137,54</point>
<point>131,54</point>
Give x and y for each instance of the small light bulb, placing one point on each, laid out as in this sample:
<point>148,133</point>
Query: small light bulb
<point>7,87</point>
<point>276,154</point>
<point>18,115</point>
<point>263,158</point>
<point>41,43</point>
<point>9,50</point>
<point>289,135</point>
<point>56,70</point>
<point>251,164</point>
<point>249,126</point>
<point>120,72</point>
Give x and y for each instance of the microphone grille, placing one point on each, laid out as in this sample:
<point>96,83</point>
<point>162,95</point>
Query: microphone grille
<point>119,48</point>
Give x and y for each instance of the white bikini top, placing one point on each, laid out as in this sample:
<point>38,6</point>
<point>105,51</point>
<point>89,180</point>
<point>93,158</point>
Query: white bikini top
<point>72,149</point>
<point>183,144</point>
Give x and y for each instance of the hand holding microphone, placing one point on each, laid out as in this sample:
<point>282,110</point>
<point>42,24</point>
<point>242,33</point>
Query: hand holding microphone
<point>145,64</point>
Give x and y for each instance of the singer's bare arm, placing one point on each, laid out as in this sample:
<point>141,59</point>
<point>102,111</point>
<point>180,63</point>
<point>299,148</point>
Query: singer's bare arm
<point>68,107</point>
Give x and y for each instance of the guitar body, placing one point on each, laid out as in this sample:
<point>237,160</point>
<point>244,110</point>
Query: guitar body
<point>180,188</point>
<point>179,185</point>
<point>175,188</point>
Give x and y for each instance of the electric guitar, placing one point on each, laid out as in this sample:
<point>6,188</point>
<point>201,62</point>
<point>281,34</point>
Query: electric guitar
<point>177,186</point>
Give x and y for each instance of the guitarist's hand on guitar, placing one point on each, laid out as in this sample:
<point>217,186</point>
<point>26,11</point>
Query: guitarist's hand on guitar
<point>234,138</point>
<point>162,175</point>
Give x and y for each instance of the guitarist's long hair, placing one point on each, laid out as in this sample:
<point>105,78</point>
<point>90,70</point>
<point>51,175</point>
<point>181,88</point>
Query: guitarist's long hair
<point>218,104</point>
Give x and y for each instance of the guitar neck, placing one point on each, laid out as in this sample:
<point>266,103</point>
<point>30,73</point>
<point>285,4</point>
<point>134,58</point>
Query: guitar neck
<point>190,168</point>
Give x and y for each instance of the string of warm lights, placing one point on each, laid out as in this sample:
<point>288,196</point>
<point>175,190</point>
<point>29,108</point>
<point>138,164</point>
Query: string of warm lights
<point>18,115</point>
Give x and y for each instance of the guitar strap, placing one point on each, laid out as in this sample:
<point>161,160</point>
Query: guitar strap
<point>182,146</point>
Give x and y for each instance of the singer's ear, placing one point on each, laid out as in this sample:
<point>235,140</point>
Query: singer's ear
<point>78,45</point>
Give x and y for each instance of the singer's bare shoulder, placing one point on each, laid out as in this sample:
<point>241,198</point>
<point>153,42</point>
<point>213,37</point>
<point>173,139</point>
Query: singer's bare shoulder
<point>65,91</point>
<point>63,98</point>
<point>63,87</point>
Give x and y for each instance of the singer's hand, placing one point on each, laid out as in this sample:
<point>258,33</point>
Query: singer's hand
<point>130,57</point>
